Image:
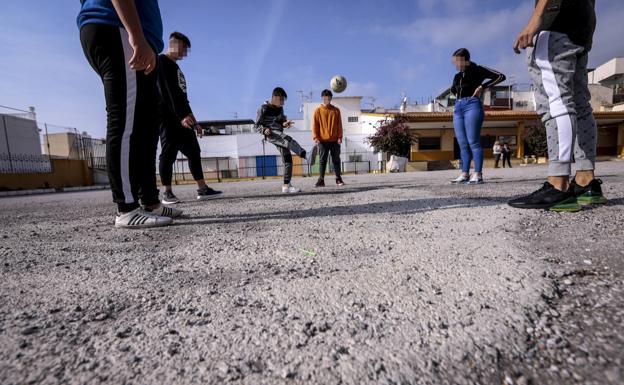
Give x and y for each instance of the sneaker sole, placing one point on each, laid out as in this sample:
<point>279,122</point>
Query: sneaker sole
<point>164,202</point>
<point>568,206</point>
<point>586,201</point>
<point>207,197</point>
<point>144,226</point>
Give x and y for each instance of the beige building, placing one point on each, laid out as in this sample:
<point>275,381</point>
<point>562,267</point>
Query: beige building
<point>436,137</point>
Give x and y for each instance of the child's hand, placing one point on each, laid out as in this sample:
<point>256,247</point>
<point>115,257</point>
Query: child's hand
<point>267,131</point>
<point>144,57</point>
<point>288,124</point>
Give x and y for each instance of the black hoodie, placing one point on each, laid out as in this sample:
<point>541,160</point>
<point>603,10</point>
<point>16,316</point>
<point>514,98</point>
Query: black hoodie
<point>467,81</point>
<point>174,104</point>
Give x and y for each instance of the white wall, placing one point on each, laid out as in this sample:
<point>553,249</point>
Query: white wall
<point>22,134</point>
<point>601,97</point>
<point>613,67</point>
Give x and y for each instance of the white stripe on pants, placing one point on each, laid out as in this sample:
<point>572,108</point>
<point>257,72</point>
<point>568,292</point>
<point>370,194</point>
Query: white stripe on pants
<point>557,109</point>
<point>131,93</point>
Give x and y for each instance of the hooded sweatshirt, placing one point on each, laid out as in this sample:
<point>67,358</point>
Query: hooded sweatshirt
<point>327,124</point>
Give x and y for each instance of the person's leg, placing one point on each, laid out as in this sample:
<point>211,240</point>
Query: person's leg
<point>168,153</point>
<point>335,155</point>
<point>108,52</point>
<point>496,160</point>
<point>473,120</point>
<point>190,148</point>
<point>145,131</point>
<point>509,160</point>
<point>288,164</point>
<point>280,139</point>
<point>552,64</point>
<point>462,139</point>
<point>586,130</point>
<point>555,60</point>
<point>104,50</point>
<point>323,155</point>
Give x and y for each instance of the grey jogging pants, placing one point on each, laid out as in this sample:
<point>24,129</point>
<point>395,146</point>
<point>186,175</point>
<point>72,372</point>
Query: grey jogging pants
<point>558,68</point>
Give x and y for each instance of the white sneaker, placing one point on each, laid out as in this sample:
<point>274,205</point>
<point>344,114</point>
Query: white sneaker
<point>290,189</point>
<point>165,211</point>
<point>474,179</point>
<point>140,219</point>
<point>460,179</point>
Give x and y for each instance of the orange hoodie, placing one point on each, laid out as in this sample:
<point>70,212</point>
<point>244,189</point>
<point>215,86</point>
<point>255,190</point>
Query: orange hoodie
<point>327,124</point>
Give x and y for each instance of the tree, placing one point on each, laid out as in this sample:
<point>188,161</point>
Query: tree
<point>536,141</point>
<point>393,137</point>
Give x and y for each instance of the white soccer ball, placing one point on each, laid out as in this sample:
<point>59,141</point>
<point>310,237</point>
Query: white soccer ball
<point>338,84</point>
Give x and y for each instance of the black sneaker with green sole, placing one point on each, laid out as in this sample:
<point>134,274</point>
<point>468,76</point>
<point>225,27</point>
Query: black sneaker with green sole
<point>547,198</point>
<point>590,194</point>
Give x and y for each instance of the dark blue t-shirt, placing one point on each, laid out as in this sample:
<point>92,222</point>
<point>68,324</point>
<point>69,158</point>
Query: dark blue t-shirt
<point>103,12</point>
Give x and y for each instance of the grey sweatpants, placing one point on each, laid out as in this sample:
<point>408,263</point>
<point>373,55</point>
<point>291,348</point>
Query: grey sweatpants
<point>285,144</point>
<point>559,71</point>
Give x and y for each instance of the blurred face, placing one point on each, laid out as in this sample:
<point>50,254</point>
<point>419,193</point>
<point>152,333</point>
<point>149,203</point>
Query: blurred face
<point>177,49</point>
<point>327,100</point>
<point>278,101</point>
<point>460,62</point>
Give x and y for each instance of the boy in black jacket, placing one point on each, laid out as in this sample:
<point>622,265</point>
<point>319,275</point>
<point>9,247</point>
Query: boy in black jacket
<point>178,127</point>
<point>271,123</point>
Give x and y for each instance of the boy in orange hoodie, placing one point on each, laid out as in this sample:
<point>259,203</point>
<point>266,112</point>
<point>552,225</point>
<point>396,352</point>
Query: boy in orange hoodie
<point>327,134</point>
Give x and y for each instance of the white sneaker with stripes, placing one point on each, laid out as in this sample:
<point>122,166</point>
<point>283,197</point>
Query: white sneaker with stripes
<point>165,211</point>
<point>290,189</point>
<point>140,219</point>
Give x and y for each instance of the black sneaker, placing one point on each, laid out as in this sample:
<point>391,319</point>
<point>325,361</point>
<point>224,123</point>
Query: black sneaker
<point>590,194</point>
<point>169,198</point>
<point>547,198</point>
<point>206,193</point>
<point>320,183</point>
<point>339,182</point>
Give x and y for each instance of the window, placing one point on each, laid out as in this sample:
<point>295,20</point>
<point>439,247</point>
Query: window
<point>431,143</point>
<point>353,119</point>
<point>487,141</point>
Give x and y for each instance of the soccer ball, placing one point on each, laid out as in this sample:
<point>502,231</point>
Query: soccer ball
<point>338,84</point>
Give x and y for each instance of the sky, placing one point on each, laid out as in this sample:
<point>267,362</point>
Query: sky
<point>242,49</point>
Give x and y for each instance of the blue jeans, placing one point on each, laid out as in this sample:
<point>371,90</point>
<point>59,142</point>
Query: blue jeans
<point>467,120</point>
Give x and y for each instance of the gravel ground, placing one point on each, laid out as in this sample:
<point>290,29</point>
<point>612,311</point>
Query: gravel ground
<point>393,279</point>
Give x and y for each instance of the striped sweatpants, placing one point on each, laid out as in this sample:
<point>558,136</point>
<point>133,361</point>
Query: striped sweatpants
<point>132,116</point>
<point>558,68</point>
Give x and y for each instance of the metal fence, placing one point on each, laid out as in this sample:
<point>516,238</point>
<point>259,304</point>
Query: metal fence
<point>235,168</point>
<point>24,164</point>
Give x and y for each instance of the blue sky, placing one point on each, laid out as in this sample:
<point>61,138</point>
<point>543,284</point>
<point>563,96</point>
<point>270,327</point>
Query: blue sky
<point>243,48</point>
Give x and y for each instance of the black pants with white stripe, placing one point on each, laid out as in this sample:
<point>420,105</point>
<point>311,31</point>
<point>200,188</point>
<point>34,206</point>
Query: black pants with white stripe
<point>132,119</point>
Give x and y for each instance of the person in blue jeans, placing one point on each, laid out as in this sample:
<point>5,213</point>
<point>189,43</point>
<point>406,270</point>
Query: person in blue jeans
<point>468,85</point>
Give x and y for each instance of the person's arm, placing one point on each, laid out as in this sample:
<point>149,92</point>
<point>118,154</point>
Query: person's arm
<point>339,126</point>
<point>181,105</point>
<point>543,16</point>
<point>316,128</point>
<point>259,126</point>
<point>494,76</point>
<point>144,57</point>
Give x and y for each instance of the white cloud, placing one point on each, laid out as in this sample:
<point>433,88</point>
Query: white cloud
<point>258,58</point>
<point>467,30</point>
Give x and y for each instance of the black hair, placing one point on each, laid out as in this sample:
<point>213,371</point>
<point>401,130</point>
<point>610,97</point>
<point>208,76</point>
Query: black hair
<point>462,52</point>
<point>279,91</point>
<point>327,92</point>
<point>182,37</point>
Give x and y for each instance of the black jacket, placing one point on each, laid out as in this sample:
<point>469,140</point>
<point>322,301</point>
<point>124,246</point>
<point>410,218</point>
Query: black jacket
<point>174,104</point>
<point>467,81</point>
<point>270,116</point>
<point>575,18</point>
